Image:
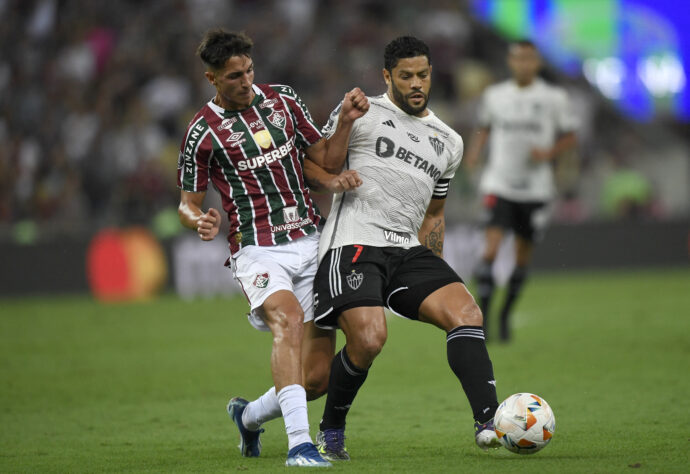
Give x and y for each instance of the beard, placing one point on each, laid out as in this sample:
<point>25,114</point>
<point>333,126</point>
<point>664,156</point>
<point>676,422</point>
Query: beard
<point>403,100</point>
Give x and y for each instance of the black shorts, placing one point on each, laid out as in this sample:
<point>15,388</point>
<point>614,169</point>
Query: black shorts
<point>359,275</point>
<point>523,218</point>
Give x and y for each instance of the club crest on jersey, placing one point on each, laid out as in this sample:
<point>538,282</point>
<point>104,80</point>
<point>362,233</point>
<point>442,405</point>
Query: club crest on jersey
<point>263,138</point>
<point>437,145</point>
<point>277,118</point>
<point>226,124</point>
<point>261,280</point>
<point>354,280</point>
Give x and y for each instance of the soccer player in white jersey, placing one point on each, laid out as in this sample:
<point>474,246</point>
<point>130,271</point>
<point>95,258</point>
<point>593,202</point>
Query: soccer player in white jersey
<point>250,141</point>
<point>528,124</point>
<point>382,245</point>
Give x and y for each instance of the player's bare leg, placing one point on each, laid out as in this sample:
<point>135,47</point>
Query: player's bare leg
<point>318,347</point>
<point>484,274</point>
<point>365,334</point>
<point>453,309</point>
<point>523,255</point>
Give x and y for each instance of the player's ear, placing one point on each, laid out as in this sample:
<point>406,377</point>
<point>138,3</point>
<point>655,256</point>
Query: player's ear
<point>211,77</point>
<point>386,76</point>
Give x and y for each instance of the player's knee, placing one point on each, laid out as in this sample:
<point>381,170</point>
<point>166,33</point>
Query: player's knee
<point>288,325</point>
<point>471,315</point>
<point>366,348</point>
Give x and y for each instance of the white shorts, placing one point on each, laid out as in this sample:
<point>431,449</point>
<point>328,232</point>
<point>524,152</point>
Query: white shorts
<point>261,271</point>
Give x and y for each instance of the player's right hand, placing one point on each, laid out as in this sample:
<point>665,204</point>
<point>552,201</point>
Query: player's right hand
<point>208,224</point>
<point>355,105</point>
<point>345,181</point>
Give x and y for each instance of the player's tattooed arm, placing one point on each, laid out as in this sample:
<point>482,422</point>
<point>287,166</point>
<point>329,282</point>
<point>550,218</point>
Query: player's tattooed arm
<point>432,232</point>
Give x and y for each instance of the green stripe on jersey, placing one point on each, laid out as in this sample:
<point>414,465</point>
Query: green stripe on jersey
<point>239,195</point>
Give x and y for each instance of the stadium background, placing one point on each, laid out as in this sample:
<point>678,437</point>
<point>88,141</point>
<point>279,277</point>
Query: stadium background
<point>94,97</point>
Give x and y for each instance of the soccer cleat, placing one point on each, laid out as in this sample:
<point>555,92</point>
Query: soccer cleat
<point>331,444</point>
<point>250,444</point>
<point>305,455</point>
<point>485,435</point>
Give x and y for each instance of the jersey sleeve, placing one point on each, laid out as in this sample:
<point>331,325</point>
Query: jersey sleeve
<point>566,119</point>
<point>443,183</point>
<point>329,129</point>
<point>307,131</point>
<point>194,158</point>
<point>483,111</point>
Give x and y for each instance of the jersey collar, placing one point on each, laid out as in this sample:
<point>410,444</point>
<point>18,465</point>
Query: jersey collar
<point>258,96</point>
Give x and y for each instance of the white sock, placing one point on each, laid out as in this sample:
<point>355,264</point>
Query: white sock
<point>293,403</point>
<point>263,409</point>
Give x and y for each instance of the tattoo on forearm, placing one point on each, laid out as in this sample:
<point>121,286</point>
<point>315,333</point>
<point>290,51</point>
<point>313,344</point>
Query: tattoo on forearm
<point>433,240</point>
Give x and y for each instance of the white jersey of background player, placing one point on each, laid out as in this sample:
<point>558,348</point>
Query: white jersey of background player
<point>387,148</point>
<point>522,119</point>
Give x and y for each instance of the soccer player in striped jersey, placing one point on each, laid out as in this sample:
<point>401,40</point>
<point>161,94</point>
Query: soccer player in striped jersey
<point>528,123</point>
<point>382,247</point>
<point>252,142</point>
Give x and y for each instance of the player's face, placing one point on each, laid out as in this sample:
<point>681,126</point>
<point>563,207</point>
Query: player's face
<point>409,83</point>
<point>524,63</point>
<point>233,83</point>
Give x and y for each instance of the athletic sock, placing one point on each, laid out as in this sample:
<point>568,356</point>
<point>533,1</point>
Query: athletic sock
<point>515,283</point>
<point>485,289</point>
<point>469,360</point>
<point>263,409</point>
<point>293,404</point>
<point>343,384</point>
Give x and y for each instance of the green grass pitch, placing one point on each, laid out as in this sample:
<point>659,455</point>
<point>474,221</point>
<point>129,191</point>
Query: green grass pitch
<point>142,387</point>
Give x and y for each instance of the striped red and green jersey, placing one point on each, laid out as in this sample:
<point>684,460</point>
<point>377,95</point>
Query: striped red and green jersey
<point>254,158</point>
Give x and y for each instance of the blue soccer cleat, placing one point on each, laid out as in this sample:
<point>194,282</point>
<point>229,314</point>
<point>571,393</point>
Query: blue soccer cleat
<point>250,444</point>
<point>306,455</point>
<point>485,435</point>
<point>331,444</point>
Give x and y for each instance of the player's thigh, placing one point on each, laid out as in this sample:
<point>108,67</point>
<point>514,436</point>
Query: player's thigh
<point>420,274</point>
<point>449,307</point>
<point>282,310</point>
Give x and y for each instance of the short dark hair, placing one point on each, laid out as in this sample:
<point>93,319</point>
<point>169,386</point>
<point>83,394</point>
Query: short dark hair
<point>404,47</point>
<point>218,45</point>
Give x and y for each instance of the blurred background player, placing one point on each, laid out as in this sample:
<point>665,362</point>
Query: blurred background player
<point>383,244</point>
<point>250,141</point>
<point>529,124</point>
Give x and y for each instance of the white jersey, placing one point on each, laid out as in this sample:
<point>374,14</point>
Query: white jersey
<point>520,119</point>
<point>403,161</point>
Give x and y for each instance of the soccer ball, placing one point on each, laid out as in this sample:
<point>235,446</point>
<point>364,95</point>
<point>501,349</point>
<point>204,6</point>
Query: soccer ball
<point>524,423</point>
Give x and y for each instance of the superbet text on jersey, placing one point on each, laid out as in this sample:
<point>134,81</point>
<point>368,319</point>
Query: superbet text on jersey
<point>254,158</point>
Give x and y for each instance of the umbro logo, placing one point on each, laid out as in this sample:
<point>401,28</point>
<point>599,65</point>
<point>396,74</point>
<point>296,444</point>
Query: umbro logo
<point>389,123</point>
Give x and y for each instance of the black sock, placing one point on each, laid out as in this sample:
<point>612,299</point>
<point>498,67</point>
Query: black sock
<point>515,283</point>
<point>469,360</point>
<point>343,384</point>
<point>485,289</point>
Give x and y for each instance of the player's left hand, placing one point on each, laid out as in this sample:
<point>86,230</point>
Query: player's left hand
<point>345,181</point>
<point>540,155</point>
<point>355,105</point>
